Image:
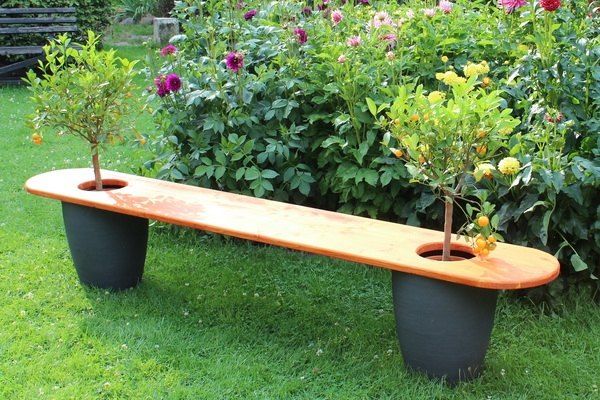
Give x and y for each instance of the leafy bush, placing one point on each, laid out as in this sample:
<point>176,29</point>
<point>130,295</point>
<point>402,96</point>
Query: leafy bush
<point>82,92</point>
<point>274,104</point>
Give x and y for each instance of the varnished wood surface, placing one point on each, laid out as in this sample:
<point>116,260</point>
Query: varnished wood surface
<point>378,243</point>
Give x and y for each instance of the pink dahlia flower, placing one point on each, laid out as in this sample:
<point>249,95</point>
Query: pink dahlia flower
<point>336,17</point>
<point>512,5</point>
<point>301,35</point>
<point>161,86</point>
<point>234,61</point>
<point>381,18</point>
<point>429,12</point>
<point>250,14</point>
<point>445,6</point>
<point>550,5</point>
<point>168,49</point>
<point>354,41</point>
<point>173,82</point>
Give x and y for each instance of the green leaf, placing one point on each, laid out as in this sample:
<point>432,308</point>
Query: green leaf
<point>578,264</point>
<point>240,173</point>
<point>269,174</point>
<point>372,106</point>
<point>251,174</point>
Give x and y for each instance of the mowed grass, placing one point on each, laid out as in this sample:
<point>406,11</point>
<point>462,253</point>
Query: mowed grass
<point>217,318</point>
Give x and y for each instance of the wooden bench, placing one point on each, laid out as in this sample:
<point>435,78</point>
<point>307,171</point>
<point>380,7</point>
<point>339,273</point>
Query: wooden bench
<point>19,22</point>
<point>464,308</point>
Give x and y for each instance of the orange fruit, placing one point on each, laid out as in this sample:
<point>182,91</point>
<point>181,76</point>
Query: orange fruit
<point>476,250</point>
<point>397,152</point>
<point>481,134</point>
<point>422,159</point>
<point>414,118</point>
<point>491,246</point>
<point>36,138</point>
<point>481,150</point>
<point>483,221</point>
<point>491,239</point>
<point>480,243</point>
<point>484,252</point>
<point>486,82</point>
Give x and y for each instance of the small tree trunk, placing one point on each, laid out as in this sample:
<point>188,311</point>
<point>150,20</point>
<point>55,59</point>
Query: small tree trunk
<point>448,209</point>
<point>96,165</point>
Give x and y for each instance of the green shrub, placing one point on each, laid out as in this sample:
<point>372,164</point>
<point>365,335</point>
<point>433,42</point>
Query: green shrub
<point>293,123</point>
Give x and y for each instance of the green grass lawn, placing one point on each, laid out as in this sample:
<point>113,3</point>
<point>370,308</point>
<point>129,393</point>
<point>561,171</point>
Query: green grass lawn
<point>217,318</point>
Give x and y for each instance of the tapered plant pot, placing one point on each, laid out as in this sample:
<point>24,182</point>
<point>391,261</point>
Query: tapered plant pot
<point>108,249</point>
<point>443,328</point>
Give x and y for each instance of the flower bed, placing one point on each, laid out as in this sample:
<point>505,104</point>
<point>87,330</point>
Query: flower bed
<point>271,99</point>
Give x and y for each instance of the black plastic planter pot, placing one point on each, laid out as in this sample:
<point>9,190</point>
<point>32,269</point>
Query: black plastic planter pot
<point>108,249</point>
<point>443,328</point>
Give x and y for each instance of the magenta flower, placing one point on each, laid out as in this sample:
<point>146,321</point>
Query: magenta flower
<point>353,41</point>
<point>173,82</point>
<point>161,86</point>
<point>234,61</point>
<point>550,5</point>
<point>301,35</point>
<point>336,17</point>
<point>511,5</point>
<point>307,11</point>
<point>250,14</point>
<point>342,59</point>
<point>445,6</point>
<point>389,37</point>
<point>363,2</point>
<point>168,49</point>
<point>322,6</point>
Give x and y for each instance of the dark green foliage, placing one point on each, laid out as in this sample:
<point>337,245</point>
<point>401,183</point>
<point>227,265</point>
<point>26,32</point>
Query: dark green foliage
<point>294,125</point>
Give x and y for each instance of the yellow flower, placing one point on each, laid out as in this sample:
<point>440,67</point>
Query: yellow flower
<point>523,48</point>
<point>486,82</point>
<point>450,78</point>
<point>472,69</point>
<point>509,166</point>
<point>436,96</point>
<point>444,59</point>
<point>485,170</point>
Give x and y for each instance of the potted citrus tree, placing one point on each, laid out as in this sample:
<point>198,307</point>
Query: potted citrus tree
<point>82,91</point>
<point>448,139</point>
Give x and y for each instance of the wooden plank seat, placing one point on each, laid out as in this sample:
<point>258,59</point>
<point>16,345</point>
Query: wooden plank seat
<point>363,240</point>
<point>23,22</point>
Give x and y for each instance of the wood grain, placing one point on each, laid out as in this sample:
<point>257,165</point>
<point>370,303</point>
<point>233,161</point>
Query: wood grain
<point>363,240</point>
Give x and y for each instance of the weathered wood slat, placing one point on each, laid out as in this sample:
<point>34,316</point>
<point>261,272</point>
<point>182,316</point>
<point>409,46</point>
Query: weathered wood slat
<point>38,29</point>
<point>378,243</point>
<point>56,10</point>
<point>19,65</point>
<point>18,50</point>
<point>38,20</point>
